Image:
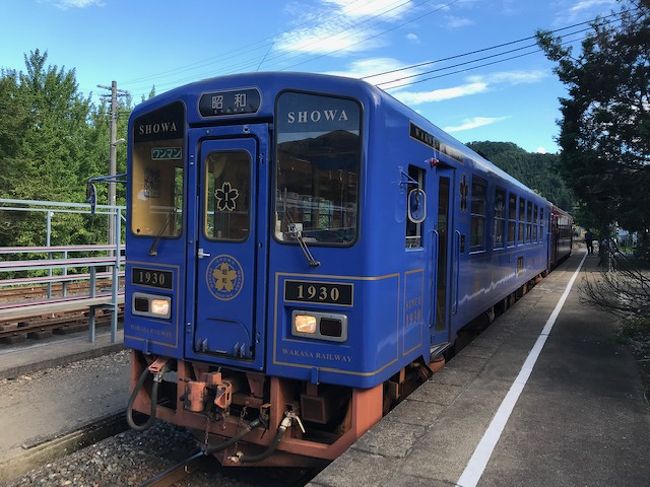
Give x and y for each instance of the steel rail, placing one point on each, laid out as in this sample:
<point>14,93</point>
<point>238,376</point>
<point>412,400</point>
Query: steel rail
<point>177,472</point>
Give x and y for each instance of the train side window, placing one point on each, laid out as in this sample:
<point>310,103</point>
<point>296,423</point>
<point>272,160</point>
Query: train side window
<point>522,218</point>
<point>499,217</point>
<point>541,224</point>
<point>529,220</point>
<point>512,218</point>
<point>479,206</point>
<point>535,222</point>
<point>413,229</point>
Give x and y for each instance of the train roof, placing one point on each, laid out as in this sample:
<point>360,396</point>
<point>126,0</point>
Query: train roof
<point>272,81</point>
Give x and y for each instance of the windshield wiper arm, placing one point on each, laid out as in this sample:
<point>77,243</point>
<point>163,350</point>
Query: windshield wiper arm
<point>295,231</point>
<point>153,250</point>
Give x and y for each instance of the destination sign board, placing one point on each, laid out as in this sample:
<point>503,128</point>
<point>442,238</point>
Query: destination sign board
<point>233,102</point>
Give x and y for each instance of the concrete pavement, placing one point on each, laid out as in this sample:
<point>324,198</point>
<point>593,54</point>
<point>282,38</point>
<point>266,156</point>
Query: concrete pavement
<point>49,389</point>
<point>581,418</point>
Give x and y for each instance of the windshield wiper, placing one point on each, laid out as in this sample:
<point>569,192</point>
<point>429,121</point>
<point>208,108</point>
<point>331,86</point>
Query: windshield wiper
<point>295,231</point>
<point>153,250</point>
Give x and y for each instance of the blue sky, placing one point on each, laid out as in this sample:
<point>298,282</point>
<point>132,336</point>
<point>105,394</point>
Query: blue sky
<point>168,43</point>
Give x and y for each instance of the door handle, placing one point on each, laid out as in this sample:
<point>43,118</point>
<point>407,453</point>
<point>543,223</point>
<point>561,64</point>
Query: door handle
<point>202,254</point>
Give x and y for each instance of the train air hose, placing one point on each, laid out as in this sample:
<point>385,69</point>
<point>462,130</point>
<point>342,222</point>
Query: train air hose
<point>231,441</point>
<point>154,401</point>
<point>284,425</point>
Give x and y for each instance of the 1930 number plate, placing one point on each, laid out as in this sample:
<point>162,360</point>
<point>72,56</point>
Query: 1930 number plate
<point>150,277</point>
<point>318,292</point>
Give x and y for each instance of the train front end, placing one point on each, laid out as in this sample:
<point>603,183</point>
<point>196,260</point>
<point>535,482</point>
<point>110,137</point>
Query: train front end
<point>248,272</point>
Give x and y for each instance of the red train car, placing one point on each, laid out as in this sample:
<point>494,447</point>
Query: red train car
<point>561,236</point>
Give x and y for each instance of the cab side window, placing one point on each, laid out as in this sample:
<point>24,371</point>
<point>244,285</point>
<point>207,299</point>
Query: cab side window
<point>413,230</point>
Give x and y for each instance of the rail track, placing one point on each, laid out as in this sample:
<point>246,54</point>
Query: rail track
<point>13,330</point>
<point>185,471</point>
<point>27,293</point>
<point>38,327</point>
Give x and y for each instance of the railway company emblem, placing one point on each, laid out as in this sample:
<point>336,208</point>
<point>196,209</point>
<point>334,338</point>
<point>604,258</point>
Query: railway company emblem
<point>225,277</point>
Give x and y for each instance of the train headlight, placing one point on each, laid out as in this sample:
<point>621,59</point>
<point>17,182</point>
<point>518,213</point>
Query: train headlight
<point>160,307</point>
<point>303,323</point>
<point>152,305</point>
<point>332,327</point>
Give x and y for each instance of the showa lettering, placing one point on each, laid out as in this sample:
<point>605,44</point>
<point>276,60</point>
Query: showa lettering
<point>316,116</point>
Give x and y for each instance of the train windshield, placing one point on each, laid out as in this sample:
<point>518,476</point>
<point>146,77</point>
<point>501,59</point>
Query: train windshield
<point>318,159</point>
<point>157,172</point>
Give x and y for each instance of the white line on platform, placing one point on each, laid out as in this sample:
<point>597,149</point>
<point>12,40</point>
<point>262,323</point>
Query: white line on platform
<point>476,465</point>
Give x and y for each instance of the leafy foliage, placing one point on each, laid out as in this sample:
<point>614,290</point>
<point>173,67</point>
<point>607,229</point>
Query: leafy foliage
<point>52,138</point>
<point>537,171</point>
<point>605,126</point>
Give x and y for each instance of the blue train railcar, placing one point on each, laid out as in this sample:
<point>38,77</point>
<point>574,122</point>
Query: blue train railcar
<point>299,248</point>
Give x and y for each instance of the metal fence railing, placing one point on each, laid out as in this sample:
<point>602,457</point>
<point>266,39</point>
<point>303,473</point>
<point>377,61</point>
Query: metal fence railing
<point>46,266</point>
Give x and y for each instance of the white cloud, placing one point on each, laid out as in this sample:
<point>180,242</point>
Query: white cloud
<point>419,97</point>
<point>66,4</point>
<point>413,37</point>
<point>387,9</point>
<point>339,26</point>
<point>367,68</point>
<point>321,40</point>
<point>453,22</point>
<point>541,150</point>
<point>511,77</point>
<point>587,4</point>
<point>474,122</point>
<point>568,11</point>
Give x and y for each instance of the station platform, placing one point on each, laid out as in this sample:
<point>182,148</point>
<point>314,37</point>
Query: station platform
<point>29,357</point>
<point>51,390</point>
<point>526,403</point>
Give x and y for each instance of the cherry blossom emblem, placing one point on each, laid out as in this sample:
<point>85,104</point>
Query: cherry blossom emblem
<point>225,277</point>
<point>226,197</point>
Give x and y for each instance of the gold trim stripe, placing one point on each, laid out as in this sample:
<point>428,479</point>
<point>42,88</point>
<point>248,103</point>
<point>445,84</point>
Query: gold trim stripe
<point>325,276</point>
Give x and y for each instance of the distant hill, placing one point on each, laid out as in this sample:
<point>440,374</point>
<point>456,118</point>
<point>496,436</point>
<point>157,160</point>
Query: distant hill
<point>537,171</point>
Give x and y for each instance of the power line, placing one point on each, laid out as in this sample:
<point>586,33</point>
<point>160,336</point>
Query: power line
<point>399,26</point>
<point>517,41</point>
<point>335,25</point>
<point>474,67</point>
<point>528,46</point>
<point>294,55</point>
<point>317,41</point>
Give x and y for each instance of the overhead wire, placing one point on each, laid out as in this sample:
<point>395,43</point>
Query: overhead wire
<point>472,67</point>
<point>334,51</point>
<point>509,51</point>
<point>209,60</point>
<point>417,65</point>
<point>496,46</point>
<point>376,18</point>
<point>336,27</point>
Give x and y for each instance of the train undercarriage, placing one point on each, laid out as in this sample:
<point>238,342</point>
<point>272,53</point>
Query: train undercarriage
<point>248,418</point>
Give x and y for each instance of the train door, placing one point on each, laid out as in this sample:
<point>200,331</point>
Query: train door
<point>226,257</point>
<point>443,260</point>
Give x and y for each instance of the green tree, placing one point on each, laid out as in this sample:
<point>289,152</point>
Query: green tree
<point>52,138</point>
<point>605,125</point>
<point>537,171</point>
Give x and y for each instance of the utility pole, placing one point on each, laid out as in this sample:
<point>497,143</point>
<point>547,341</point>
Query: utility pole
<point>112,170</point>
